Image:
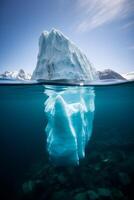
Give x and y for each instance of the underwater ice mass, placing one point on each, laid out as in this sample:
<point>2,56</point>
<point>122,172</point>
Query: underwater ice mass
<point>69,116</point>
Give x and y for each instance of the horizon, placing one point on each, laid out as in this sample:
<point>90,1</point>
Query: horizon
<point>102,29</point>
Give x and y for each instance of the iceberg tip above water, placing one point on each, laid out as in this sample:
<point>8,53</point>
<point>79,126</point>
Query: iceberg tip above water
<point>60,58</point>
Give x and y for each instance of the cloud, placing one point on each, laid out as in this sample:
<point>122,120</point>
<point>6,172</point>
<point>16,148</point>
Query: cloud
<point>96,13</point>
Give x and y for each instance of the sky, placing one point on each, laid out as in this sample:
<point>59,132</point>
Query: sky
<point>102,29</point>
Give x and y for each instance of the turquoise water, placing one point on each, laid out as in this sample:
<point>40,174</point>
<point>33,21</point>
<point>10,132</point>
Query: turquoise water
<point>106,171</point>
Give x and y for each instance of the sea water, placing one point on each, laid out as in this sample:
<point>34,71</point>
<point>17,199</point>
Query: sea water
<point>106,171</point>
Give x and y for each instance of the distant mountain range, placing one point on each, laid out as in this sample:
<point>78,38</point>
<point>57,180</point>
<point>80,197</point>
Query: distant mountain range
<point>15,75</point>
<point>110,74</point>
<point>106,74</point>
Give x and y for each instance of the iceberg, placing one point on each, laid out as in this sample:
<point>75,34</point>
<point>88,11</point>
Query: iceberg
<point>69,111</point>
<point>69,115</point>
<point>60,58</point>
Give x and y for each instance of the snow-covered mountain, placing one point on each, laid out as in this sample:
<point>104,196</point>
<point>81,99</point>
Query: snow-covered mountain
<point>102,75</point>
<point>59,58</point>
<point>129,76</point>
<point>15,75</point>
<point>109,74</point>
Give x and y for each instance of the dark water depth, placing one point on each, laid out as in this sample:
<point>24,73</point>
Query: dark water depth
<point>106,172</point>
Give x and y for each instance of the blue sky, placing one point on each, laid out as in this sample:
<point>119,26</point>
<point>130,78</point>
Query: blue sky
<point>103,29</point>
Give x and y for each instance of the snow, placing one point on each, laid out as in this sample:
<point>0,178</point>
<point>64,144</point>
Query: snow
<point>15,75</point>
<point>109,74</point>
<point>129,76</point>
<point>69,115</point>
<point>59,58</point>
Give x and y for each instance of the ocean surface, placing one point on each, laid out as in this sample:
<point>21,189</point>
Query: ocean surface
<point>27,171</point>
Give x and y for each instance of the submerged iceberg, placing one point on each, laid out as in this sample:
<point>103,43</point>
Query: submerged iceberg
<point>69,111</point>
<point>69,116</point>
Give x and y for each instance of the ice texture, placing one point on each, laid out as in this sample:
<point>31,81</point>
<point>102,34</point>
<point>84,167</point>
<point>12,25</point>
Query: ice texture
<point>59,58</point>
<point>69,116</point>
<point>69,112</point>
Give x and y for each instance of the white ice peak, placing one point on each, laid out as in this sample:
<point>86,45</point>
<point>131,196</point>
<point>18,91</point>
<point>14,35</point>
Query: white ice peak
<point>59,58</point>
